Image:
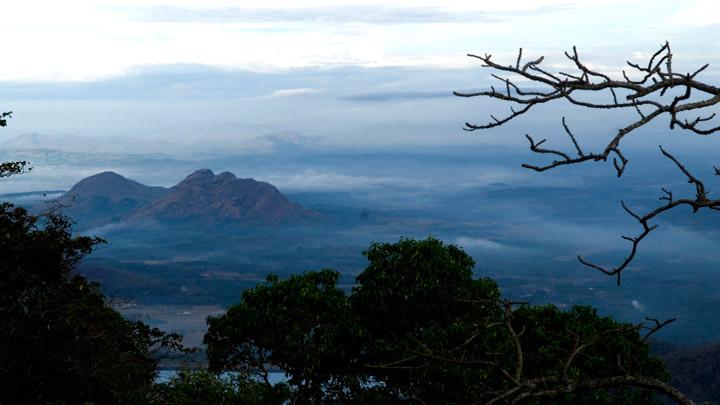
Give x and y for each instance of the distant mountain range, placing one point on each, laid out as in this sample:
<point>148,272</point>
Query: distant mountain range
<point>201,198</point>
<point>237,139</point>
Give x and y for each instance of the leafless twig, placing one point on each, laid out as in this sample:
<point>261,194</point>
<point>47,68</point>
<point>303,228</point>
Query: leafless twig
<point>649,94</point>
<point>700,201</point>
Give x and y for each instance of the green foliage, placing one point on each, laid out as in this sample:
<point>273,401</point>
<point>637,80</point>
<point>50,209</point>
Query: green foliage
<point>61,341</point>
<point>549,332</point>
<point>196,387</point>
<point>301,325</point>
<point>200,387</point>
<point>418,326</point>
<point>413,296</point>
<point>412,284</point>
<point>610,349</point>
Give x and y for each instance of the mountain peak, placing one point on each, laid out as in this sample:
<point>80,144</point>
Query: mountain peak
<point>212,198</point>
<point>105,176</point>
<point>108,184</point>
<point>201,174</point>
<point>106,197</point>
<point>226,176</point>
<point>202,197</point>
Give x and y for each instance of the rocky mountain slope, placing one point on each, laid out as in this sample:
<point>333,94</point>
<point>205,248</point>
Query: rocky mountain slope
<point>202,198</point>
<point>206,197</point>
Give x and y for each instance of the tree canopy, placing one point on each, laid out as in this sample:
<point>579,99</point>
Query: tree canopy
<point>301,325</point>
<point>195,387</point>
<point>418,327</point>
<point>62,341</point>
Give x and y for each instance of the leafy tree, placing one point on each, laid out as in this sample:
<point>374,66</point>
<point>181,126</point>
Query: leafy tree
<point>412,284</point>
<point>413,297</point>
<point>418,327</point>
<point>301,325</point>
<point>195,387</point>
<point>438,335</point>
<point>200,387</point>
<point>62,342</point>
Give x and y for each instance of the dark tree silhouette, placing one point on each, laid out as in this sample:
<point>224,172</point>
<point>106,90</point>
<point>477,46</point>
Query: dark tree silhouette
<point>652,90</point>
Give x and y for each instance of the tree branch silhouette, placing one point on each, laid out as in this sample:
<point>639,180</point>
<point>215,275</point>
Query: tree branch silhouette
<point>648,94</point>
<point>518,386</point>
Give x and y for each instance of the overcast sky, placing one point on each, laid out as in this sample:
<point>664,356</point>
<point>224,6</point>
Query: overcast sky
<point>344,72</point>
<point>90,40</point>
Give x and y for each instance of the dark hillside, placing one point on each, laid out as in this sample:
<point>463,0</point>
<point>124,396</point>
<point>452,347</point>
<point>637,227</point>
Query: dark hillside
<point>106,198</point>
<point>696,372</point>
<point>209,198</point>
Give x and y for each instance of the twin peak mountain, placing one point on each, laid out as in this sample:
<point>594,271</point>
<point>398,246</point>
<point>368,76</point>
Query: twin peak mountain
<point>202,198</point>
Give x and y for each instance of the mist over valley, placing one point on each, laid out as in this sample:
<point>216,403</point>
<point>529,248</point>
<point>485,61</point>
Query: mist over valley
<point>524,229</point>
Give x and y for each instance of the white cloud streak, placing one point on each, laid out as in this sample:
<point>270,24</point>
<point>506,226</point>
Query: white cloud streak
<point>312,180</point>
<point>292,92</point>
<point>478,243</point>
<point>90,40</point>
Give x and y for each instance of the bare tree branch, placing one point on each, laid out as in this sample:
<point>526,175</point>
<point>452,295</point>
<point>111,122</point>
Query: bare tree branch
<point>657,77</point>
<point>700,201</point>
<point>651,95</point>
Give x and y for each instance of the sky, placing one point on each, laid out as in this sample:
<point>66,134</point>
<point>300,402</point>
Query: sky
<point>328,69</point>
<point>93,40</point>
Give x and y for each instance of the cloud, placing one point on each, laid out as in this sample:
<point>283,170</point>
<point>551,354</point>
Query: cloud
<point>342,14</point>
<point>291,92</point>
<point>31,198</point>
<point>311,180</point>
<point>106,229</point>
<point>194,81</point>
<point>637,305</point>
<point>271,35</point>
<point>370,14</point>
<point>394,95</point>
<point>478,243</point>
